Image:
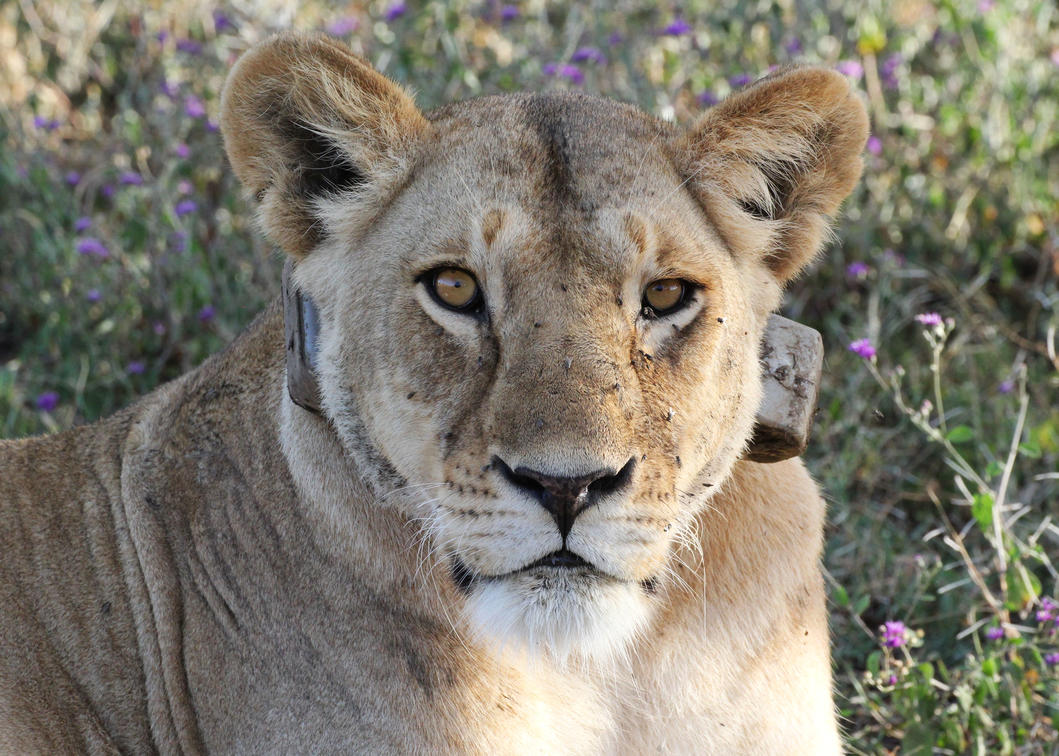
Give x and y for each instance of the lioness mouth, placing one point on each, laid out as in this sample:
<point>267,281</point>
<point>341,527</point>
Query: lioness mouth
<point>465,577</point>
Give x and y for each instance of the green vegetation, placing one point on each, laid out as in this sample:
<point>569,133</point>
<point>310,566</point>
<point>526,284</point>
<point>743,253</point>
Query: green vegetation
<point>127,256</point>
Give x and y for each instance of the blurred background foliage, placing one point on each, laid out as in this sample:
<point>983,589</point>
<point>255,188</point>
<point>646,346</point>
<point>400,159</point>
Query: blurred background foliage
<point>127,255</point>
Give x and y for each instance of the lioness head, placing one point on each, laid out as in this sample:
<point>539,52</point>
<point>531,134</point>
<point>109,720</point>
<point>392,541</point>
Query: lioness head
<point>540,313</point>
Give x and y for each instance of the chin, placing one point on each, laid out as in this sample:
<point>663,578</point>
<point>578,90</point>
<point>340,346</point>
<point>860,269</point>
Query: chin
<point>565,615</point>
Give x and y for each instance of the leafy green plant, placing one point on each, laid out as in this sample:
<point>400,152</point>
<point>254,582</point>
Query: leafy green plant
<point>1000,694</point>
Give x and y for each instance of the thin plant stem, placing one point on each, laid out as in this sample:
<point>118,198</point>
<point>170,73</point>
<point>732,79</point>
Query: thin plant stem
<point>1009,465</point>
<point>935,368</point>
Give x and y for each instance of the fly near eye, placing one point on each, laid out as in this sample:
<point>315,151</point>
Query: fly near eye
<point>665,295</point>
<point>456,289</point>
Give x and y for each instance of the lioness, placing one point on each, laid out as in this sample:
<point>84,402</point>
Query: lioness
<point>519,521</point>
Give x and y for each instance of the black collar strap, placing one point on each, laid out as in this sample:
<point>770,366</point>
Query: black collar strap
<point>301,326</point>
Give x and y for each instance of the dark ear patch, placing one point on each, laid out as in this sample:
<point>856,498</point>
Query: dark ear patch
<point>320,168</point>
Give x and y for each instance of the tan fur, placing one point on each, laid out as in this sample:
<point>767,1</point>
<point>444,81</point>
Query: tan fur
<point>215,568</point>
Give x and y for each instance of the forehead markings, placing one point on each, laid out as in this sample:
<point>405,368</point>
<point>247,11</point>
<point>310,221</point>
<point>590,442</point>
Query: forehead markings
<point>492,222</point>
<point>547,118</point>
<point>636,230</point>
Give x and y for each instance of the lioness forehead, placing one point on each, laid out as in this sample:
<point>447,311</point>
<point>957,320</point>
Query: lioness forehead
<point>564,152</point>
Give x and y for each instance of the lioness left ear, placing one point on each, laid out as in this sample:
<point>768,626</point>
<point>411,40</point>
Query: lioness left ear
<point>771,163</point>
<point>304,118</point>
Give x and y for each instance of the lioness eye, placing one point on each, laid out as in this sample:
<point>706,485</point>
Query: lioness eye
<point>456,289</point>
<point>665,295</point>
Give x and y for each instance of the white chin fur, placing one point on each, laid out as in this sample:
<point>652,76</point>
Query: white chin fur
<point>567,618</point>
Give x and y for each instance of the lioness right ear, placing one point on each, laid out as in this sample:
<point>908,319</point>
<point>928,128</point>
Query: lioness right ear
<point>304,118</point>
<point>772,163</point>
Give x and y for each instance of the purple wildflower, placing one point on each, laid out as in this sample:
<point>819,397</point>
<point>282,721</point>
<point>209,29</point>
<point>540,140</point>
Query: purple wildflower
<point>169,89</point>
<point>396,10</point>
<point>189,46</point>
<point>1006,386</point>
<point>707,98</point>
<point>342,27</point>
<point>162,36</point>
<point>994,633</point>
<point>1051,658</point>
<point>862,348</point>
<point>182,150</point>
<point>185,207</point>
<point>93,295</point>
<point>206,313</point>
<point>874,145</point>
<point>850,68</point>
<point>857,270</point>
<point>573,73</point>
<point>793,46</point>
<point>615,38</point>
<point>40,122</point>
<point>158,327</point>
<point>678,27</point>
<point>107,190</point>
<point>1049,610</point>
<point>509,13</point>
<point>1055,56</point>
<point>221,22</point>
<point>588,55</point>
<point>194,107</point>
<point>888,70</point>
<point>183,186</point>
<point>82,224</point>
<point>136,367</point>
<point>131,178</point>
<point>893,634</point>
<point>740,80</point>
<point>984,6</point>
<point>72,178</point>
<point>929,319</point>
<point>47,401</point>
<point>93,247</point>
<point>566,70</point>
<point>891,680</point>
<point>211,126</point>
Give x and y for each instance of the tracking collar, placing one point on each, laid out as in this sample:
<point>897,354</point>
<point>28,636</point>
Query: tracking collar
<point>301,325</point>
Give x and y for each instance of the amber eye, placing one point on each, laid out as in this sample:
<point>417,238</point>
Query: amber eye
<point>455,289</point>
<point>665,295</point>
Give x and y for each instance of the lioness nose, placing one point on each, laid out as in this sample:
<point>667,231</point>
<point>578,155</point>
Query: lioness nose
<point>566,497</point>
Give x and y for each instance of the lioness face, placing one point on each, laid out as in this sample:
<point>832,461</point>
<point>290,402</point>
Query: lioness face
<point>573,428</point>
<point>540,317</point>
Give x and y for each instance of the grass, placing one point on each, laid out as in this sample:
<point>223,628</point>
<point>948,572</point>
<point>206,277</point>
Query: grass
<point>943,517</point>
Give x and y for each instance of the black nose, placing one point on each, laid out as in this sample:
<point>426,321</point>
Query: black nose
<point>566,498</point>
